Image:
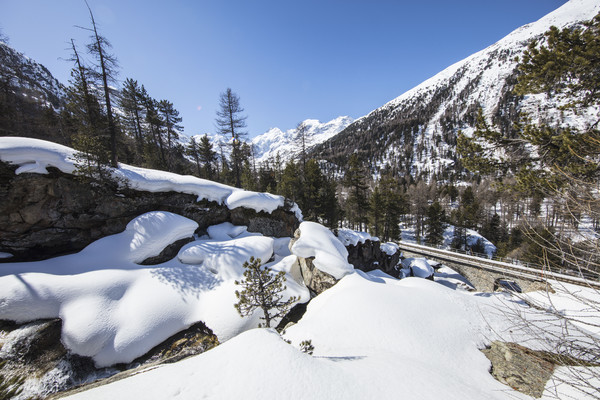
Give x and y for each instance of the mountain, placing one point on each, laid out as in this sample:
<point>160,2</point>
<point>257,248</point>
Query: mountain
<point>29,79</point>
<point>416,132</point>
<point>275,141</point>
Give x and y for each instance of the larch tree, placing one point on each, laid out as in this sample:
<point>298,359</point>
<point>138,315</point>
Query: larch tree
<point>231,123</point>
<point>107,70</point>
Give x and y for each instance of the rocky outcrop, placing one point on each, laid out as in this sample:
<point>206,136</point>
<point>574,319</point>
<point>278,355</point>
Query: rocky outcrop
<point>520,368</point>
<point>34,351</point>
<point>367,256</point>
<point>46,215</point>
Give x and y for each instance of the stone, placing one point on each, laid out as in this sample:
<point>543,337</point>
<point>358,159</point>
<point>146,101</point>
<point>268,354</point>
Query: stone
<point>368,256</point>
<point>520,368</point>
<point>315,280</point>
<point>36,353</point>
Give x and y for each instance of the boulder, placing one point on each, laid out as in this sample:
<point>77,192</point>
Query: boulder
<point>520,368</point>
<point>367,256</point>
<point>315,280</point>
<point>47,215</point>
<point>35,352</point>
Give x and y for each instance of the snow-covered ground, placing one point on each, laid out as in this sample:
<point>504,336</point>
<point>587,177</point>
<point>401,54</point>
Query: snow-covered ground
<point>374,337</point>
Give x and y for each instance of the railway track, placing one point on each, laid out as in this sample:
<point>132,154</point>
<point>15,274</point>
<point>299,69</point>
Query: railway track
<point>507,269</point>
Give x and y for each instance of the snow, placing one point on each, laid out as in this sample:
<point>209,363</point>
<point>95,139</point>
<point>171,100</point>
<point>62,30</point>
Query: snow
<point>374,337</point>
<point>35,156</point>
<point>419,267</point>
<point>115,310</point>
<point>389,248</point>
<point>351,238</point>
<point>330,254</point>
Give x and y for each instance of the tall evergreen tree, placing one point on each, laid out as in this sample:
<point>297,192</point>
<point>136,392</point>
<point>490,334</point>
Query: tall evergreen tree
<point>230,123</point>
<point>436,224</point>
<point>131,103</point>
<point>376,212</point>
<point>171,125</point>
<point>357,203</point>
<point>290,185</point>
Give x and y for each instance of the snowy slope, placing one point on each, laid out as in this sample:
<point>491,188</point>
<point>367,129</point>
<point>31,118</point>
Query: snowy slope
<point>416,132</point>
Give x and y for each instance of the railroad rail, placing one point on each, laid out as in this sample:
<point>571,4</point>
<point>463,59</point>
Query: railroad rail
<point>507,269</point>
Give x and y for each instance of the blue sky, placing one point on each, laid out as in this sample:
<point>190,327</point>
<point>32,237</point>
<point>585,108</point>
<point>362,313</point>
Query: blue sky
<point>287,60</point>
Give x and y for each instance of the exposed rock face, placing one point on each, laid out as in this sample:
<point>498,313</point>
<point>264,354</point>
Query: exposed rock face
<point>520,368</point>
<point>42,216</point>
<point>315,280</point>
<point>368,256</point>
<point>34,351</point>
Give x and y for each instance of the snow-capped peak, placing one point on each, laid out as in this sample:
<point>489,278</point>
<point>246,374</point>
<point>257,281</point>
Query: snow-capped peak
<point>276,141</point>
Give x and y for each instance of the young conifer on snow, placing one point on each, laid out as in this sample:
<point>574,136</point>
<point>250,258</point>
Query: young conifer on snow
<point>262,288</point>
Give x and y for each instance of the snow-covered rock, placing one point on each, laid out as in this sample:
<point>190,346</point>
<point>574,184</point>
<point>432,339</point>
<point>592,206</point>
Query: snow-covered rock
<point>34,155</point>
<point>330,255</point>
<point>115,310</point>
<point>418,267</point>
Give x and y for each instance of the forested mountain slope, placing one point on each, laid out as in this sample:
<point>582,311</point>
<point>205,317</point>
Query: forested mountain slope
<point>416,132</point>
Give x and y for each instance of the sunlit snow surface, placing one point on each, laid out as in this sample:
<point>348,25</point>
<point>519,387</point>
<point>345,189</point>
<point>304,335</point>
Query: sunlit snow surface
<point>115,310</point>
<point>35,156</point>
<point>375,338</point>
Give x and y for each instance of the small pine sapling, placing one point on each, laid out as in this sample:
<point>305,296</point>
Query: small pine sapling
<point>262,288</point>
<point>307,347</point>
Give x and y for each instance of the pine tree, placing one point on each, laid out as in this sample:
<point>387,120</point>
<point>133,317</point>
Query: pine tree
<point>171,125</point>
<point>376,212</point>
<point>436,224</point>
<point>231,123</point>
<point>207,156</point>
<point>312,183</point>
<point>395,205</point>
<point>290,186</point>
<point>357,203</point>
<point>262,289</point>
<point>328,210</point>
<point>131,103</point>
